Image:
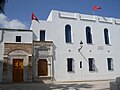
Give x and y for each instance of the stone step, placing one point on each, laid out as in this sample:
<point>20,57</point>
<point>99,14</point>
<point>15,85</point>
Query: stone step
<point>43,79</point>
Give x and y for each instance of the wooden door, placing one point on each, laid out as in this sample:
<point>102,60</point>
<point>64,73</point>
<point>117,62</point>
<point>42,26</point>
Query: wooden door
<point>42,67</point>
<point>17,70</point>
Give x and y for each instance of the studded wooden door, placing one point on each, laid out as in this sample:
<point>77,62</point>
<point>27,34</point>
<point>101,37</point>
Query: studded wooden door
<point>17,70</point>
<point>42,67</point>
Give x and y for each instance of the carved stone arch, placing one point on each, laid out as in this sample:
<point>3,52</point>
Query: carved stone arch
<point>17,51</point>
<point>9,47</point>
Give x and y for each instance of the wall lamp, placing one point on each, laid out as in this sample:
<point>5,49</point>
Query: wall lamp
<point>81,45</point>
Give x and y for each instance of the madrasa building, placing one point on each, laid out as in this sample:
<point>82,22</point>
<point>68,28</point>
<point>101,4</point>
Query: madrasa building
<point>65,47</point>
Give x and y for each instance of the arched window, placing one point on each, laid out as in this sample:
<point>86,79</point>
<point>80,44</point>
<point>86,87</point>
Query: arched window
<point>68,33</point>
<point>106,36</point>
<point>88,35</point>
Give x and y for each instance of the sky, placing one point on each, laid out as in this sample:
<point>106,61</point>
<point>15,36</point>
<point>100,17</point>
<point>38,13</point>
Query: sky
<point>18,12</point>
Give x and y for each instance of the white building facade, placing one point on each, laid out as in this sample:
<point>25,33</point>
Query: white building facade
<point>65,47</point>
<point>85,47</point>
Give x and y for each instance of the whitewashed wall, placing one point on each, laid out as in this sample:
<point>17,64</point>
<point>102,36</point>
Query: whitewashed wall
<point>9,36</point>
<point>55,31</point>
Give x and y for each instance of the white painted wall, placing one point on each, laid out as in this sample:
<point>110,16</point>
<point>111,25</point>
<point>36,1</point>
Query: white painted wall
<point>55,32</point>
<point>9,36</point>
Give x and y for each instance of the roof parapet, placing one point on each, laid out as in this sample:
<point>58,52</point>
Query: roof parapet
<point>56,15</point>
<point>117,21</point>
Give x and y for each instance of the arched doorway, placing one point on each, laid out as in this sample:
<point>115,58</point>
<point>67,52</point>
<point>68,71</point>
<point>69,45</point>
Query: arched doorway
<point>42,67</point>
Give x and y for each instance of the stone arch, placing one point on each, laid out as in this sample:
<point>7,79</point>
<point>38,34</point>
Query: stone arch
<point>9,47</point>
<point>19,51</point>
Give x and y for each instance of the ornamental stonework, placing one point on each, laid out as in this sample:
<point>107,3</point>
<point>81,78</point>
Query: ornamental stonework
<point>9,47</point>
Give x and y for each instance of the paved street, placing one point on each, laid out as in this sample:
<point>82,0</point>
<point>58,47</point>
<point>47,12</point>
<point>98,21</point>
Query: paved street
<point>94,85</point>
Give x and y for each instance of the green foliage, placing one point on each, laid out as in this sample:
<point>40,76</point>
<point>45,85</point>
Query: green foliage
<point>2,5</point>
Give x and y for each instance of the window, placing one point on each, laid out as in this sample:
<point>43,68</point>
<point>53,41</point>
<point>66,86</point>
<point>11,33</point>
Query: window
<point>68,33</point>
<point>42,35</point>
<point>69,64</point>
<point>88,35</point>
<point>91,64</point>
<point>106,36</point>
<point>110,63</point>
<point>80,64</point>
<point>18,38</point>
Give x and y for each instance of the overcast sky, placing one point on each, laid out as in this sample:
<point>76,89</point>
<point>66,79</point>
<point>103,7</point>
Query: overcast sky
<point>18,12</point>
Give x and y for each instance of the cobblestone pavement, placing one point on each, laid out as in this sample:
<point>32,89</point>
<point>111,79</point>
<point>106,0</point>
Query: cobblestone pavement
<point>96,85</point>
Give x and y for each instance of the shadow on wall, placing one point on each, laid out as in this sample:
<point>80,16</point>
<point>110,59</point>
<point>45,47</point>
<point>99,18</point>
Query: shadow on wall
<point>1,36</point>
<point>1,69</point>
<point>34,36</point>
<point>54,58</point>
<point>96,69</point>
<point>115,85</point>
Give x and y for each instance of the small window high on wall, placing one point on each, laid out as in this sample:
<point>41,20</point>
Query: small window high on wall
<point>106,36</point>
<point>68,34</point>
<point>88,35</point>
<point>42,35</point>
<point>18,38</point>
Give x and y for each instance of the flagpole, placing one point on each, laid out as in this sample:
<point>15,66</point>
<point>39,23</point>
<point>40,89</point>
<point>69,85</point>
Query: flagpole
<point>93,12</point>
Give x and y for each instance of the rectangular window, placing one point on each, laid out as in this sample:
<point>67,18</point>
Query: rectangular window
<point>42,35</point>
<point>110,63</point>
<point>80,64</point>
<point>69,64</point>
<point>91,64</point>
<point>18,38</point>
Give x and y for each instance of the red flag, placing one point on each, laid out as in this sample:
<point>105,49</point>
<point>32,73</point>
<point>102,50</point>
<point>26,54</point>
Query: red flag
<point>34,17</point>
<point>96,8</point>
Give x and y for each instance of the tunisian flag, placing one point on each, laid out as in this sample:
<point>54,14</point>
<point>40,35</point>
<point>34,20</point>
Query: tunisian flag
<point>96,7</point>
<point>34,17</point>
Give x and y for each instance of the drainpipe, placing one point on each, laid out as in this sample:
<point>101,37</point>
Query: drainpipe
<point>2,35</point>
<point>79,50</point>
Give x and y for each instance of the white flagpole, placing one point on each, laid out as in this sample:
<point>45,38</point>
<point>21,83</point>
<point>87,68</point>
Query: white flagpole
<point>93,12</point>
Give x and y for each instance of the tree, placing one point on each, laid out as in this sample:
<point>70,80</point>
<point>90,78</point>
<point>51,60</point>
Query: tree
<point>2,5</point>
